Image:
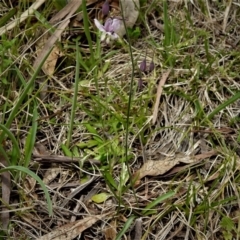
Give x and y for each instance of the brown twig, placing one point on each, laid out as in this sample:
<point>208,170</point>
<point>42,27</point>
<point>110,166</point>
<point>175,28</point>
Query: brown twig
<point>61,159</point>
<point>159,93</point>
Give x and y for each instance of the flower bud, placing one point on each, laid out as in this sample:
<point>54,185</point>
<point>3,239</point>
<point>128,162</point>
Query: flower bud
<point>151,66</point>
<point>143,65</point>
<point>105,8</point>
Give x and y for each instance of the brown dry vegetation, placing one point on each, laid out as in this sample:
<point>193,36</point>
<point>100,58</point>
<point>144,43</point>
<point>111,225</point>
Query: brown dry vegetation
<point>192,149</point>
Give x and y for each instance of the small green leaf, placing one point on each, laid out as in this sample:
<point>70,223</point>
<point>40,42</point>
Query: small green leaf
<point>134,33</point>
<point>100,198</point>
<point>110,179</point>
<point>227,223</point>
<point>66,150</point>
<point>90,128</point>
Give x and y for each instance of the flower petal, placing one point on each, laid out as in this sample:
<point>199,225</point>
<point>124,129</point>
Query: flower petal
<point>114,36</point>
<point>99,25</point>
<point>103,36</point>
<point>108,25</point>
<point>116,24</point>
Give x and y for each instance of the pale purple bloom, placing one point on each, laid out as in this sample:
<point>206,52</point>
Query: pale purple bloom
<point>109,29</point>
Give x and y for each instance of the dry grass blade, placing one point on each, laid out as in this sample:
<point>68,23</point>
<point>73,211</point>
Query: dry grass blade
<point>78,190</point>
<point>226,14</point>
<point>23,17</point>
<point>72,230</point>
<point>63,12</point>
<point>6,189</point>
<point>51,41</point>
<point>159,93</point>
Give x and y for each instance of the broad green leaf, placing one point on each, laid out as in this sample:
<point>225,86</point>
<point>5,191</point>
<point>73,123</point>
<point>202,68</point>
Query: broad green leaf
<point>66,150</point>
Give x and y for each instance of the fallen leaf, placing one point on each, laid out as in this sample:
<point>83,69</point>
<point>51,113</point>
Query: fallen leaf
<point>72,230</point>
<point>156,168</point>
<point>50,63</point>
<point>51,174</point>
<point>110,231</point>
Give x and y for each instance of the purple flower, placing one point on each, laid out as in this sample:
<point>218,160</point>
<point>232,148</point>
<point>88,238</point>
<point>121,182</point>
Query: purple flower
<point>109,29</point>
<point>105,8</point>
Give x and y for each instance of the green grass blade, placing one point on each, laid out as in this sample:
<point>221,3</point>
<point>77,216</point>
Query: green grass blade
<point>167,25</point>
<point>109,179</point>
<point>74,101</point>
<point>4,154</point>
<point>126,226</point>
<point>157,201</point>
<point>224,105</point>
<point>8,16</point>
<point>31,138</point>
<point>86,27</point>
<point>22,97</point>
<point>16,151</point>
<point>36,177</point>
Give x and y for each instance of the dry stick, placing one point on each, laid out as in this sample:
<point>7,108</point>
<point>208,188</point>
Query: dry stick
<point>78,190</point>
<point>23,17</point>
<point>62,13</point>
<point>138,229</point>
<point>159,93</point>
<point>6,190</point>
<point>61,159</point>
